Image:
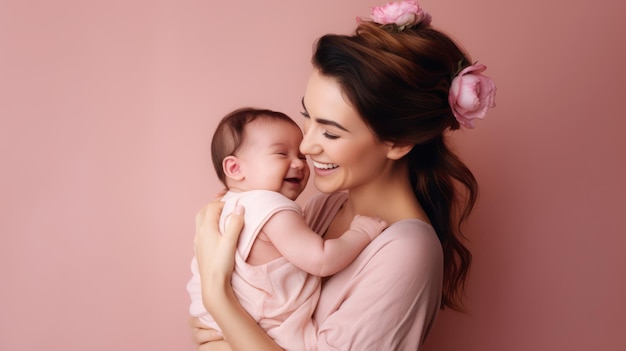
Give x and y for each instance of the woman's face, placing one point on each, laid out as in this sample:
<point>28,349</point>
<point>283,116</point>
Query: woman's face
<point>346,154</point>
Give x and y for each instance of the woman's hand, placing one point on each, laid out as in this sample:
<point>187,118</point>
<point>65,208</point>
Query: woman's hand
<point>215,252</point>
<point>206,338</point>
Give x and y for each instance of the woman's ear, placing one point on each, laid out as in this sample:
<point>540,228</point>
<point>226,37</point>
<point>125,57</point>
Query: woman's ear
<point>396,152</point>
<point>232,168</point>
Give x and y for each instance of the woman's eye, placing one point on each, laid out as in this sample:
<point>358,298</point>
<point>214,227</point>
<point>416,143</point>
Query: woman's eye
<point>330,136</point>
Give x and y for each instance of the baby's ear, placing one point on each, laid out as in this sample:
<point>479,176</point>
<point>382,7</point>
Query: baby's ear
<point>232,168</point>
<point>396,152</point>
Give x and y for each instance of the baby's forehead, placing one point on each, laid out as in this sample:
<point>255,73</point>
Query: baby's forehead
<point>273,124</point>
<point>272,120</point>
<point>272,131</point>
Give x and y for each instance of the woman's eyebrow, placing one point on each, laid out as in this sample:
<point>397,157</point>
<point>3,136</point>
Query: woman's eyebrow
<point>326,121</point>
<point>331,123</point>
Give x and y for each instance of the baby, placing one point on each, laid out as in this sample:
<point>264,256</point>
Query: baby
<point>280,260</point>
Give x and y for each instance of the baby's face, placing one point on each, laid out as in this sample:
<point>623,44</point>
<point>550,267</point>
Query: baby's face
<point>270,158</point>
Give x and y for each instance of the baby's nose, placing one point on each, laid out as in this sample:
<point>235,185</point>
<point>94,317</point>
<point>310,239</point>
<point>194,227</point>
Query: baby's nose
<point>298,163</point>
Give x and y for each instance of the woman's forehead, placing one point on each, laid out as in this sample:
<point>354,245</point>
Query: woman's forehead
<point>325,100</point>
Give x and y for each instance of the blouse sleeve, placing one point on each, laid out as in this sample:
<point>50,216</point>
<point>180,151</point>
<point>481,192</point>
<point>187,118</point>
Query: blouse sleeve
<point>389,297</point>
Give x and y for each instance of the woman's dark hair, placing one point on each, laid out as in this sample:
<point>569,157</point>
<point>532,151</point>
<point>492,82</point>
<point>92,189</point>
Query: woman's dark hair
<point>398,81</point>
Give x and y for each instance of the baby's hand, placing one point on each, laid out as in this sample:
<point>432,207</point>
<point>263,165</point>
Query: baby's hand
<point>368,225</point>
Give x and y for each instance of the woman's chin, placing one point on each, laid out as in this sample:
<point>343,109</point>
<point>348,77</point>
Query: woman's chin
<point>326,186</point>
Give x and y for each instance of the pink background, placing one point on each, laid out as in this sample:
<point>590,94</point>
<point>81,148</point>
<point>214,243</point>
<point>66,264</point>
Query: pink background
<point>107,108</point>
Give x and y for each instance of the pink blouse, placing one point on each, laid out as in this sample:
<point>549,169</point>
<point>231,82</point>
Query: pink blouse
<point>388,298</point>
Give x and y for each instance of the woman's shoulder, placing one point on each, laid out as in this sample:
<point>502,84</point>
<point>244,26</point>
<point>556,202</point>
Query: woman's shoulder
<point>409,240</point>
<point>419,229</point>
<point>407,250</point>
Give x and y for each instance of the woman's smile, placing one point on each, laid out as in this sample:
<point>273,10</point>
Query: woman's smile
<point>319,165</point>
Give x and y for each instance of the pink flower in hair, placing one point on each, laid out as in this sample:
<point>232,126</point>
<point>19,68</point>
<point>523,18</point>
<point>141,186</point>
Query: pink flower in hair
<point>471,94</point>
<point>402,13</point>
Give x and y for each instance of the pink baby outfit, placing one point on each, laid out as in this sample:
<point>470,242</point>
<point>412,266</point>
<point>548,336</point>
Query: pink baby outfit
<point>386,299</point>
<point>278,295</point>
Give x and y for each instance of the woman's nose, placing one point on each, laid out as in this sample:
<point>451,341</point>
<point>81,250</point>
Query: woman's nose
<point>308,146</point>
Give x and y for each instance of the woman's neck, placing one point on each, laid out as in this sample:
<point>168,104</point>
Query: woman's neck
<point>390,198</point>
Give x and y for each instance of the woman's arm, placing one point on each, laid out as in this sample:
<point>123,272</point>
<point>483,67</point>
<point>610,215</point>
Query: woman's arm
<point>216,260</point>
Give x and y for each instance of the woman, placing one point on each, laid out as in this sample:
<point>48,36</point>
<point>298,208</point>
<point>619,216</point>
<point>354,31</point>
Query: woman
<point>376,107</point>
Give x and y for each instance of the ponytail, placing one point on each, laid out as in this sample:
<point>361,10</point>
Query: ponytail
<point>435,173</point>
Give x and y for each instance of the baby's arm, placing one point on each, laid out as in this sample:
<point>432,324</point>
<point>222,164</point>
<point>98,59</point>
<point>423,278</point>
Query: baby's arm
<point>307,250</point>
